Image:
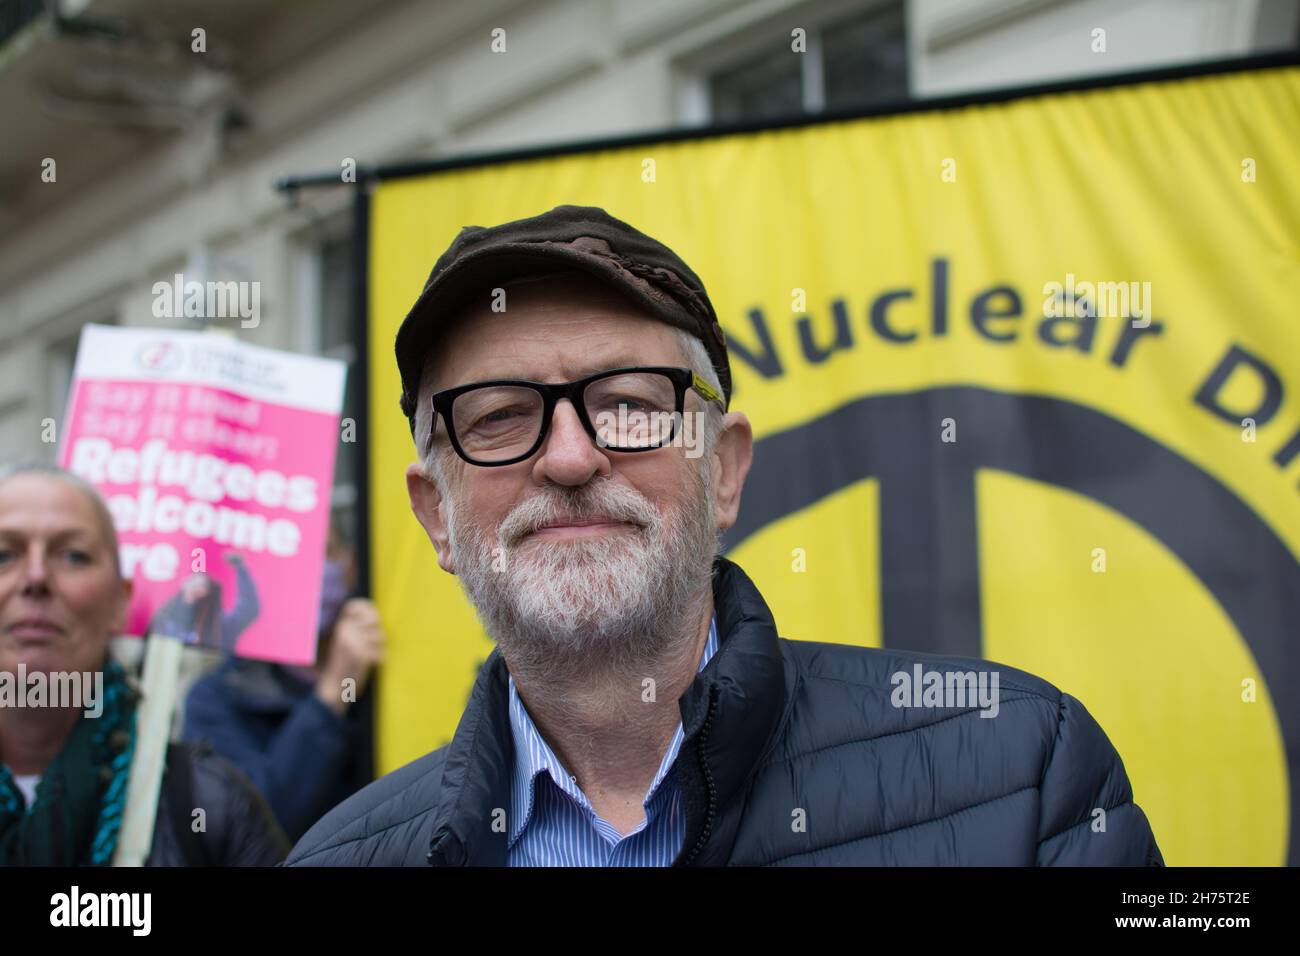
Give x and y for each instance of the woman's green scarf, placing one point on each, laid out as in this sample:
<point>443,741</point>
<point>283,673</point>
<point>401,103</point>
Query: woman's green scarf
<point>77,813</point>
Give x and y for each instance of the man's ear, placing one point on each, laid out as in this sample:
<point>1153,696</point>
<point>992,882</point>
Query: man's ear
<point>731,460</point>
<point>426,503</point>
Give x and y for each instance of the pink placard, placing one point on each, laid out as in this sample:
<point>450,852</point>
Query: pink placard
<point>216,460</point>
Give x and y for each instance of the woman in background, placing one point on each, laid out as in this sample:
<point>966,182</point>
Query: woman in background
<point>64,773</point>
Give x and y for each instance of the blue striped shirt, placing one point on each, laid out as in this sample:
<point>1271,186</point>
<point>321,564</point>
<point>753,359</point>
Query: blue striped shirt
<point>552,823</point>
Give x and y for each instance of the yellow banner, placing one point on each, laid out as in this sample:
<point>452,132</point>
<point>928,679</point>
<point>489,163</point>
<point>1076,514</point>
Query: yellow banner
<point>1023,381</point>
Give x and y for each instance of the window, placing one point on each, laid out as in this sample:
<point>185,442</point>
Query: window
<point>60,362</point>
<point>851,63</point>
<point>769,85</point>
<point>865,60</point>
<point>62,358</point>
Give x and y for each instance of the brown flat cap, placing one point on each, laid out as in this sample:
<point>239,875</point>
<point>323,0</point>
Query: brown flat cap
<point>574,237</point>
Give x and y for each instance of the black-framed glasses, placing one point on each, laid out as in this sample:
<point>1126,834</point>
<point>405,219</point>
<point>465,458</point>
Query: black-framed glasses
<point>638,408</point>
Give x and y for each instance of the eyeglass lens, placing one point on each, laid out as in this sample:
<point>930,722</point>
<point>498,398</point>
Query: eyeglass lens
<point>628,411</point>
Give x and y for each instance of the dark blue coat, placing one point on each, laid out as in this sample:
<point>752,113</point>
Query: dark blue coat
<point>271,725</point>
<point>795,754</point>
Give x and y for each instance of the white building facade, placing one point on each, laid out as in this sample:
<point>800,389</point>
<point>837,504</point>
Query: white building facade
<point>142,138</point>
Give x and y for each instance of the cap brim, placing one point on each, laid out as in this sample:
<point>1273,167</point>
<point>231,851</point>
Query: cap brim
<point>442,301</point>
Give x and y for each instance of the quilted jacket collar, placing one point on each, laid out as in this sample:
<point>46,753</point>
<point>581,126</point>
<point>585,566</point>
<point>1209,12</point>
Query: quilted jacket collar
<point>731,714</point>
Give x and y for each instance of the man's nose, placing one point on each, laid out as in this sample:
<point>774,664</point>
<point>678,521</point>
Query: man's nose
<point>569,456</point>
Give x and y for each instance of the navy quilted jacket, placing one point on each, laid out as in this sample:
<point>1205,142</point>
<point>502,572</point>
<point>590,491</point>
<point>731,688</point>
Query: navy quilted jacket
<point>795,754</point>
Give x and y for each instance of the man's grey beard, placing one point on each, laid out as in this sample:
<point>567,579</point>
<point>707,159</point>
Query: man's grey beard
<point>607,606</point>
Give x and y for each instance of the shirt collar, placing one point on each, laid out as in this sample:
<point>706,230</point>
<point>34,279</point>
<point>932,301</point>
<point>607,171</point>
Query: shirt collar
<point>534,756</point>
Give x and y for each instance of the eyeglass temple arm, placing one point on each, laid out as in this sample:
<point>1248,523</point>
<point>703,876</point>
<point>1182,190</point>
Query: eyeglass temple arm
<point>705,389</point>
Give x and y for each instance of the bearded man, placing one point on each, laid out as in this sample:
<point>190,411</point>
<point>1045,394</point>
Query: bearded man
<point>567,385</point>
